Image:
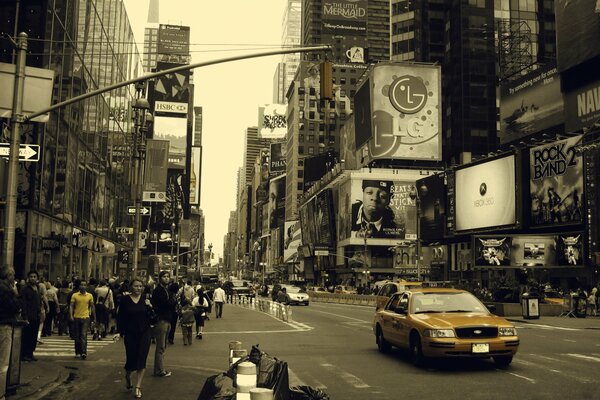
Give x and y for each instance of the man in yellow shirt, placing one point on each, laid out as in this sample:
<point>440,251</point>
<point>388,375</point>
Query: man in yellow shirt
<point>80,310</point>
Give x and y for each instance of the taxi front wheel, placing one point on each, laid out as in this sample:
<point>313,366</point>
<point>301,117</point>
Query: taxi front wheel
<point>503,361</point>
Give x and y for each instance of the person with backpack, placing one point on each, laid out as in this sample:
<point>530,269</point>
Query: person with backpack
<point>104,306</point>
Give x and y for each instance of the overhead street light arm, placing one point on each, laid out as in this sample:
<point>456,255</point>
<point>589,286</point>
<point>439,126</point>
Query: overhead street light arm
<point>96,92</point>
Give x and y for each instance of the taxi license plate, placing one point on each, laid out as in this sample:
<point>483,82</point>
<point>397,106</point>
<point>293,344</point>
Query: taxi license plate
<point>480,348</point>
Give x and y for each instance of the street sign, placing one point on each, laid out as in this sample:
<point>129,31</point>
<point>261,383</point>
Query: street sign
<point>27,152</point>
<point>143,210</point>
<point>321,252</point>
<point>124,230</point>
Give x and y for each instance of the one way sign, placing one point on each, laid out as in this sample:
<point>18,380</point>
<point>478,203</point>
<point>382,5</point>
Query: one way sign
<point>27,152</point>
<point>143,210</point>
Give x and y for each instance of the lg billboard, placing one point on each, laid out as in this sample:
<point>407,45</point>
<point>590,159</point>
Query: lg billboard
<point>486,195</point>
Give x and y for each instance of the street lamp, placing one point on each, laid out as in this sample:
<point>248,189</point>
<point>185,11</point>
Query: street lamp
<point>416,195</point>
<point>256,248</point>
<point>142,119</point>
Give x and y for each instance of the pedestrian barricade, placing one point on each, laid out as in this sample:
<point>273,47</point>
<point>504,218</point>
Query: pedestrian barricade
<point>353,299</point>
<point>278,310</point>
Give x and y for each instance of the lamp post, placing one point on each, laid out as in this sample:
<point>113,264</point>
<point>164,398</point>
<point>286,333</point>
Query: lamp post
<point>256,248</point>
<point>415,195</point>
<point>142,117</point>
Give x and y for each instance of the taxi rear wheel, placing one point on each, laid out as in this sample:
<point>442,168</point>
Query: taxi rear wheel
<point>416,351</point>
<point>382,344</point>
<point>503,361</point>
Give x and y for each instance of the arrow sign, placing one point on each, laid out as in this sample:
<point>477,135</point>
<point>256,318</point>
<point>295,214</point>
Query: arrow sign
<point>124,230</point>
<point>143,210</point>
<point>27,152</point>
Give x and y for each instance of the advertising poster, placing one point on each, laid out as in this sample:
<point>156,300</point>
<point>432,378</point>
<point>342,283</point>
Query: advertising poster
<point>405,113</point>
<point>171,92</point>
<point>292,240</point>
<point>569,250</point>
<point>307,225</point>
<point>382,209</point>
<point>276,210</point>
<point>492,252</point>
<point>265,221</point>
<point>432,193</point>
<point>277,162</point>
<point>272,121</point>
<point>173,39</point>
<point>556,183</point>
<point>530,104</point>
<point>582,107</point>
<point>577,31</point>
<point>173,130</point>
<point>195,178</point>
<point>485,194</point>
<point>155,174</point>
<point>343,215</point>
<point>323,217</point>
<point>345,17</point>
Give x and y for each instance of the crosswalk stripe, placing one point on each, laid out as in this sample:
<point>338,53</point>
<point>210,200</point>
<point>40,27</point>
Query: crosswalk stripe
<point>584,357</point>
<point>65,347</point>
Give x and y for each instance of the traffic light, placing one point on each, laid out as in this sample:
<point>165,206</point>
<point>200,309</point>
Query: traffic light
<point>326,80</point>
<point>123,256</point>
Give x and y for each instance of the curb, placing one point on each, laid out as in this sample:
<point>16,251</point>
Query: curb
<point>43,390</point>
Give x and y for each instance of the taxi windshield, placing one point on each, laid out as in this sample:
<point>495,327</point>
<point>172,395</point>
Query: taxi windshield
<point>445,303</point>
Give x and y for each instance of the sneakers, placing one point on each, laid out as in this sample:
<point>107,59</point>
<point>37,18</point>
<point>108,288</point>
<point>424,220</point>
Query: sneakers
<point>83,356</point>
<point>163,374</point>
<point>199,336</point>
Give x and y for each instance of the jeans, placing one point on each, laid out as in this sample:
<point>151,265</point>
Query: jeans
<point>186,331</point>
<point>29,338</point>
<point>5,349</point>
<point>80,330</point>
<point>218,309</point>
<point>161,331</point>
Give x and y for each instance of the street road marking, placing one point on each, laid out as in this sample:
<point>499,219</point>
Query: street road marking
<point>569,340</point>
<point>546,357</point>
<point>351,379</point>
<point>584,357</point>
<point>294,380</point>
<point>65,347</point>
<point>521,376</point>
<point>521,326</point>
<point>341,316</point>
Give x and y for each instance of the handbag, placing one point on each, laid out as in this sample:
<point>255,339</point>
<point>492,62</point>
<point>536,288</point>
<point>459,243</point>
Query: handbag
<point>151,315</point>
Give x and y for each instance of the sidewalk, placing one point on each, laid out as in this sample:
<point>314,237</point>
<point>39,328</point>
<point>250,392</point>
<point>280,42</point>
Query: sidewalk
<point>38,378</point>
<point>562,322</point>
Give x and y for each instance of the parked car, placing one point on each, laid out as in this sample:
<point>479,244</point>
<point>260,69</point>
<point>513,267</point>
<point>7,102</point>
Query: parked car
<point>440,322</point>
<point>388,288</point>
<point>318,289</point>
<point>296,295</point>
<point>242,288</point>
<point>343,289</point>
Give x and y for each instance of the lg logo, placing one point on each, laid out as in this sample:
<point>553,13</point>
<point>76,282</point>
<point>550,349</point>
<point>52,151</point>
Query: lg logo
<point>408,94</point>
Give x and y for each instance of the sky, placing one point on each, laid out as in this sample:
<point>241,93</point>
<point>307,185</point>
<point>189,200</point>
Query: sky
<point>230,93</point>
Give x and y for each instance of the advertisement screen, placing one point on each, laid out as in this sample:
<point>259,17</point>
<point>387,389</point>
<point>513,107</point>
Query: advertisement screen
<point>405,114</point>
<point>171,92</point>
<point>323,217</point>
<point>528,251</point>
<point>485,194</point>
<point>173,39</point>
<point>382,209</point>
<point>432,193</point>
<point>577,32</point>
<point>292,240</point>
<point>195,178</point>
<point>345,16</point>
<point>556,183</point>
<point>530,104</point>
<point>175,131</point>
<point>276,202</point>
<point>344,207</point>
<point>277,162</point>
<point>582,107</point>
<point>272,121</point>
<point>155,170</point>
<point>307,224</point>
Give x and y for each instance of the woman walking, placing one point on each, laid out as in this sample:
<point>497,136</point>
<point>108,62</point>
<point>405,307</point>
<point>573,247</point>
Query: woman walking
<point>200,304</point>
<point>133,324</point>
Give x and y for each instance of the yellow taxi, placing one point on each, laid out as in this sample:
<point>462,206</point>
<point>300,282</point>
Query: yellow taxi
<point>439,322</point>
<point>388,288</point>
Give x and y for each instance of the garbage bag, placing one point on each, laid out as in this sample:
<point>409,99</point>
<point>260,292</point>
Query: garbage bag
<point>273,374</point>
<point>218,387</point>
<point>307,393</point>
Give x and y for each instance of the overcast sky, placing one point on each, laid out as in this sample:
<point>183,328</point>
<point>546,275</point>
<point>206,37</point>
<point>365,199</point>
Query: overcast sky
<point>228,93</point>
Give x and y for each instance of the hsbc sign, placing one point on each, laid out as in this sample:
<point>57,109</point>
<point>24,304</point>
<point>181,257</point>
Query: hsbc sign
<point>170,107</point>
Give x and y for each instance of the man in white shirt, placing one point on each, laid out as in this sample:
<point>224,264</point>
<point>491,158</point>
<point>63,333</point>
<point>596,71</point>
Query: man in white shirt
<point>219,300</point>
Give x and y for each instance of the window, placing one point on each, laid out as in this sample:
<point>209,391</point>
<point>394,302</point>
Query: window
<point>300,149</point>
<point>311,150</point>
<point>300,186</point>
<point>300,173</point>
<point>311,138</point>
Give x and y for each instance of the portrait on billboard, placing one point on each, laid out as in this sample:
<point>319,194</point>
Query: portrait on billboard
<point>492,251</point>
<point>432,192</point>
<point>276,204</point>
<point>292,240</point>
<point>323,218</point>
<point>556,183</point>
<point>380,209</point>
<point>569,250</point>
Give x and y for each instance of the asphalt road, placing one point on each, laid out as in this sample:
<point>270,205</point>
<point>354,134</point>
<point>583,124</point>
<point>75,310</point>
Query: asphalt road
<point>332,347</point>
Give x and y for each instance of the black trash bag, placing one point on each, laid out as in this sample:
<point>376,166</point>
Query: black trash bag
<point>307,393</point>
<point>218,387</point>
<point>272,374</point>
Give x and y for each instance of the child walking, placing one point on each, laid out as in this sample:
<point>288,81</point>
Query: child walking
<point>186,319</point>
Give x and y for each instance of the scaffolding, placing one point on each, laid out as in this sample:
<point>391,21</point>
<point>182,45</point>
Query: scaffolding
<point>514,49</point>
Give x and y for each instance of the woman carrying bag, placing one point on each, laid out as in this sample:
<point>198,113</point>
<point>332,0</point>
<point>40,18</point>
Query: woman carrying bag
<point>200,304</point>
<point>133,322</point>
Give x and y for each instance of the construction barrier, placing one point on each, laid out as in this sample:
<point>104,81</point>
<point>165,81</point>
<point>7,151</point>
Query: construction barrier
<point>354,299</point>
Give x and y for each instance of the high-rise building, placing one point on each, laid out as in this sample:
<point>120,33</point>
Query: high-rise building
<point>290,36</point>
<point>252,146</point>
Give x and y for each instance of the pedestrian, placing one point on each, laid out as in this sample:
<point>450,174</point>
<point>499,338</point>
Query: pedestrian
<point>52,301</point>
<point>62,319</point>
<point>186,320</point>
<point>10,308</point>
<point>174,290</point>
<point>593,308</point>
<point>45,307</point>
<point>104,306</point>
<point>200,304</point>
<point>133,325</point>
<point>219,300</point>
<point>164,303</point>
<point>31,309</point>
<point>80,311</point>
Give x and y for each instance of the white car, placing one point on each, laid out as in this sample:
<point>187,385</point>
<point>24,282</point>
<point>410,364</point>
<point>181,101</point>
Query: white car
<point>295,295</point>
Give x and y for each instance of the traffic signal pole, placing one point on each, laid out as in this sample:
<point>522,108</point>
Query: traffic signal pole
<point>17,119</point>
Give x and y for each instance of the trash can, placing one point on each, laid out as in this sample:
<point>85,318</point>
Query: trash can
<point>530,303</point>
<point>13,378</point>
<point>580,306</point>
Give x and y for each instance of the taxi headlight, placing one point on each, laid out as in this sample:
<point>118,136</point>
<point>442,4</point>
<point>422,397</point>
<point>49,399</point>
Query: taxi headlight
<point>507,331</point>
<point>439,333</point>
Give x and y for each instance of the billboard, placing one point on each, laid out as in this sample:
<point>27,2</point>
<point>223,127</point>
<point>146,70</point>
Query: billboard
<point>173,130</point>
<point>485,194</point>
<point>402,119</point>
<point>528,251</point>
<point>381,209</point>
<point>582,107</point>
<point>530,104</point>
<point>556,183</point>
<point>345,17</point>
<point>432,193</point>
<point>577,32</point>
<point>276,202</point>
<point>324,219</point>
<point>272,121</point>
<point>173,39</point>
<point>277,162</point>
<point>195,177</point>
<point>171,92</point>
<point>292,240</point>
<point>155,171</point>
